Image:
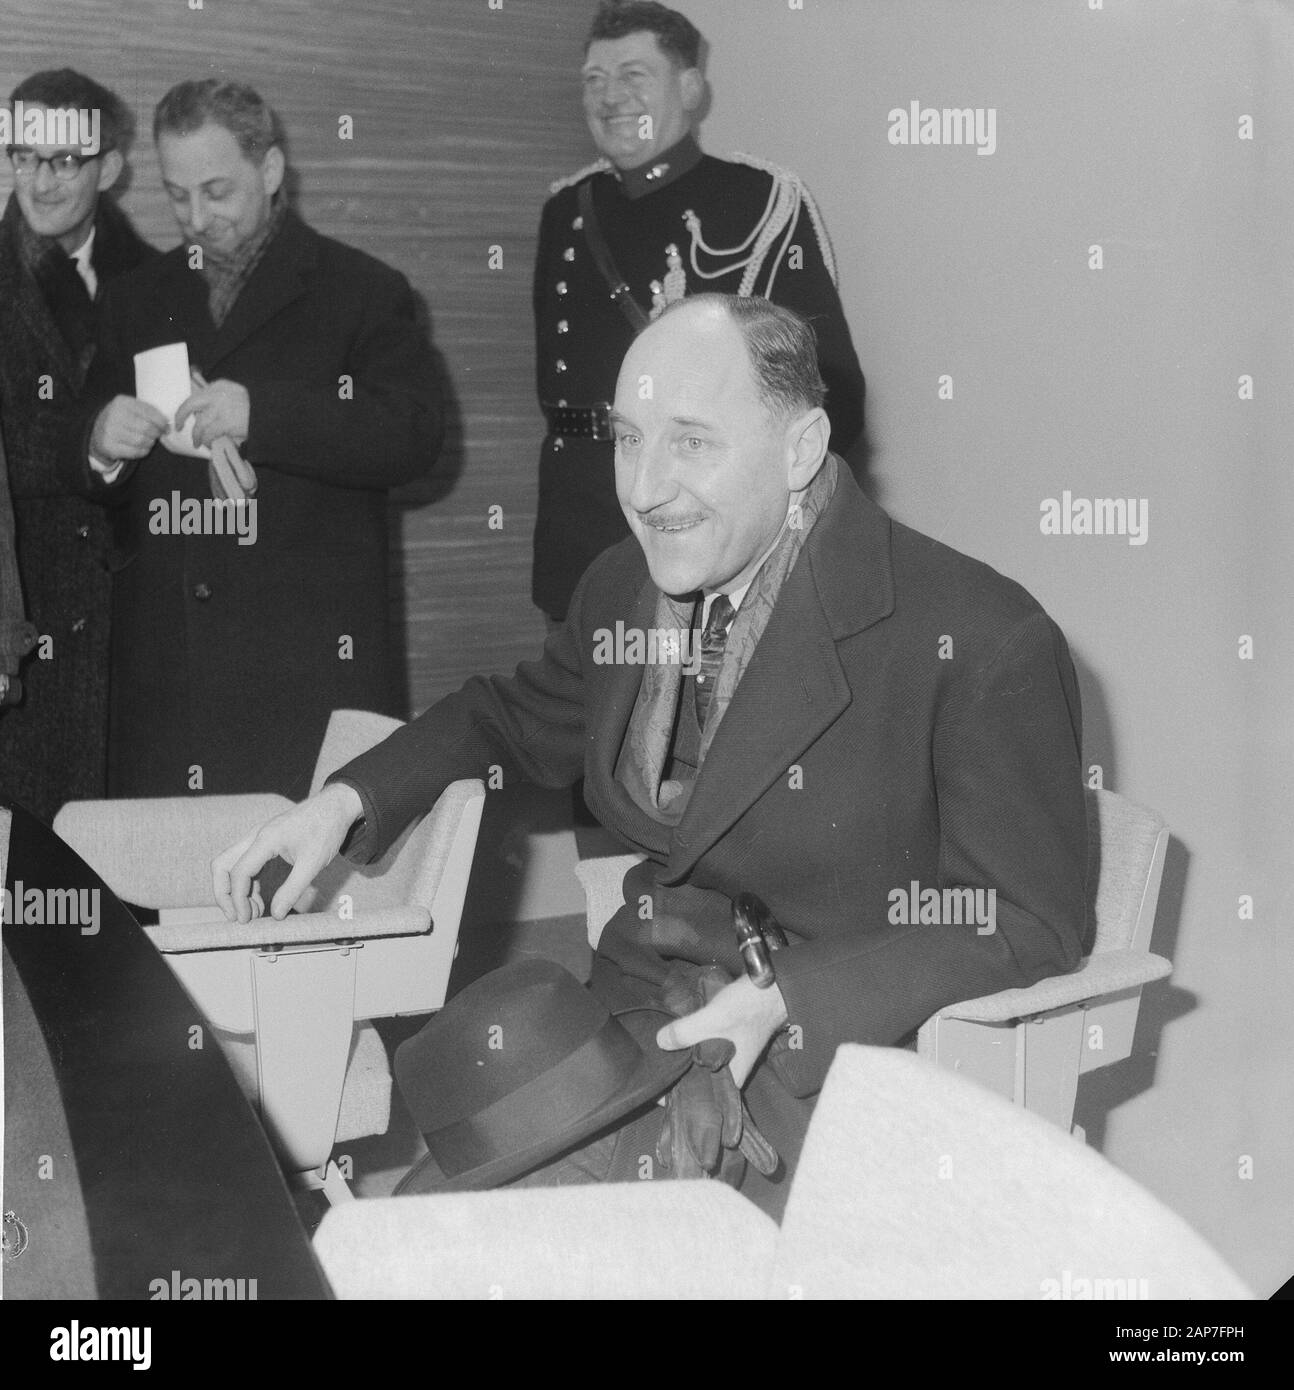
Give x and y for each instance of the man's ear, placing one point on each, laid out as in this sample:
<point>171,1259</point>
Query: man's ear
<point>692,83</point>
<point>807,439</point>
<point>110,167</point>
<point>273,167</point>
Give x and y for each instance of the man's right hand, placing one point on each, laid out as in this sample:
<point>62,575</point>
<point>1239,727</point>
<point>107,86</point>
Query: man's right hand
<point>126,428</point>
<point>308,837</point>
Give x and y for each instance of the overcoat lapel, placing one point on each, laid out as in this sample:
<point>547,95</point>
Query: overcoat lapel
<point>180,298</point>
<point>274,284</point>
<point>20,297</point>
<point>795,686</point>
<point>609,723</point>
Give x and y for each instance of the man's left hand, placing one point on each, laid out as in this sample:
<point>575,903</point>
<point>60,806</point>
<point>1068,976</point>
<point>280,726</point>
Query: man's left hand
<point>741,1012</point>
<point>221,408</point>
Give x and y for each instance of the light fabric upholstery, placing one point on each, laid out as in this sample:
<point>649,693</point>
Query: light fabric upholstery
<point>914,1183</point>
<point>603,881</point>
<point>382,939</point>
<point>646,1240</point>
<point>156,852</point>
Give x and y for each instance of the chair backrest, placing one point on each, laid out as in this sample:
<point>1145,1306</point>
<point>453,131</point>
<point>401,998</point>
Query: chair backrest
<point>1125,865</point>
<point>917,1183</point>
<point>413,869</point>
<point>350,732</point>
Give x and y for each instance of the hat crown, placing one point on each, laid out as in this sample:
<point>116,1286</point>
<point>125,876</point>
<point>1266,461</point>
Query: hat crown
<point>503,1031</point>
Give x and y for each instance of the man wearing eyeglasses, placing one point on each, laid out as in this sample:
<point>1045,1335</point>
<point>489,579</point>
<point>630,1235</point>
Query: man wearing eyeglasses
<point>61,242</point>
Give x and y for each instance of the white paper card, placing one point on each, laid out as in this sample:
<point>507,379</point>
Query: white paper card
<point>162,380</point>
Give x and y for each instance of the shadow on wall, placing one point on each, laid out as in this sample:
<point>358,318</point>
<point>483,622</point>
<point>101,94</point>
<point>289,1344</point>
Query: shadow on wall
<point>433,487</point>
<point>1104,1090</point>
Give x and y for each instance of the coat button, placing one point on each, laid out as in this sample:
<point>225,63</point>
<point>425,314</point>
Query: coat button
<point>561,365</point>
<point>568,254</point>
<point>79,625</point>
<point>561,287</point>
<point>558,443</point>
<point>563,326</point>
<point>577,224</point>
<point>83,532</point>
<point>202,592</point>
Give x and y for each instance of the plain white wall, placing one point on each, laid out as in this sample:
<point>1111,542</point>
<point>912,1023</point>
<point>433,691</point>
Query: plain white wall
<point>1119,127</point>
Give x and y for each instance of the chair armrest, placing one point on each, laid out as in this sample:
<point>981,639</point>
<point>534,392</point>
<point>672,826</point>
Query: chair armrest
<point>605,1240</point>
<point>307,928</point>
<point>1103,974</point>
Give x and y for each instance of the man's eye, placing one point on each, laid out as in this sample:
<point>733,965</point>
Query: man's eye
<point>66,161</point>
<point>628,441</point>
<point>693,443</point>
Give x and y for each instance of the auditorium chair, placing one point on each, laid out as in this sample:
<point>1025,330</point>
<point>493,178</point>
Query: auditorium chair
<point>289,1001</point>
<point>913,1183</point>
<point>1031,1045</point>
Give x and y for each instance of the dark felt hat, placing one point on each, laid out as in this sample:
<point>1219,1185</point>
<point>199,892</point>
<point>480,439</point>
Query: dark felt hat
<point>522,1066</point>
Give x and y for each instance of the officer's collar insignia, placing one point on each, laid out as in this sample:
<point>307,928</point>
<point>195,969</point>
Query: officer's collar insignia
<point>679,159</point>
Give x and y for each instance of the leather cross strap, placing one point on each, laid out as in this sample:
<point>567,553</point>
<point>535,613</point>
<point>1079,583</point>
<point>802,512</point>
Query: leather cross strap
<point>602,258</point>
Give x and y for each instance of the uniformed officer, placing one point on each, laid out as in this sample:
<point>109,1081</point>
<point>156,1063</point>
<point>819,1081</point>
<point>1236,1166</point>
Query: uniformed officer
<point>653,220</point>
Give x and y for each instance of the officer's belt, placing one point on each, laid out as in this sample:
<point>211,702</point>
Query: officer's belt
<point>580,421</point>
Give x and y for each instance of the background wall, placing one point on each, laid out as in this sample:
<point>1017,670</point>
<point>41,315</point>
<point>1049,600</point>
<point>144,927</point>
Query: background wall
<point>1116,126</point>
<point>462,117</point>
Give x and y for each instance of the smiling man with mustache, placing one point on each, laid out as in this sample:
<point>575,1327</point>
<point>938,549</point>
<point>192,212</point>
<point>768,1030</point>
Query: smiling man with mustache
<point>823,754</point>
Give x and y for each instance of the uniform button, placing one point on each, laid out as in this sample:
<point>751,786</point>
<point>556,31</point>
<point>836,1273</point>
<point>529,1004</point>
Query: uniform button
<point>83,532</point>
<point>79,625</point>
<point>561,287</point>
<point>562,403</point>
<point>562,327</point>
<point>559,443</point>
<point>561,364</point>
<point>577,224</point>
<point>568,254</point>
<point>202,592</point>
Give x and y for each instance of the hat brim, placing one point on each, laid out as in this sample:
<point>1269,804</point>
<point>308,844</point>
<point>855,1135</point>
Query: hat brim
<point>655,1074</point>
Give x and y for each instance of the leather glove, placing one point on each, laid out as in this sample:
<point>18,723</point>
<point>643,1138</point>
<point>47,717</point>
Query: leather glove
<point>231,477</point>
<point>706,1131</point>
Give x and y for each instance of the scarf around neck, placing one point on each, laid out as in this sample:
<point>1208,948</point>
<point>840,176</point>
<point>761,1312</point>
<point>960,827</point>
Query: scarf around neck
<point>227,276</point>
<point>651,726</point>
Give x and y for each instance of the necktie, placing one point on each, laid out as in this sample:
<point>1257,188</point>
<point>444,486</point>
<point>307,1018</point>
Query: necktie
<point>713,640</point>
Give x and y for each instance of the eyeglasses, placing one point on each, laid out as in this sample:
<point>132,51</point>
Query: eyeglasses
<point>65,165</point>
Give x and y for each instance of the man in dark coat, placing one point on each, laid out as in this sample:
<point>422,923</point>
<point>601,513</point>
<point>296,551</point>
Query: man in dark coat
<point>230,650</point>
<point>17,635</point>
<point>62,242</point>
<point>675,222</point>
<point>862,712</point>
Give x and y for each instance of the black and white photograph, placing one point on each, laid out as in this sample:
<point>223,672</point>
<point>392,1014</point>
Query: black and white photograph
<point>645,655</point>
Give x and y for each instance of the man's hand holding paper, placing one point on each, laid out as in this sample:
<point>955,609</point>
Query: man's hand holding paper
<point>127,428</point>
<point>219,408</point>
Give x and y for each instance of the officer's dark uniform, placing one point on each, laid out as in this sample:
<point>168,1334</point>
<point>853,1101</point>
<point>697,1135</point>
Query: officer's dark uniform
<point>752,226</point>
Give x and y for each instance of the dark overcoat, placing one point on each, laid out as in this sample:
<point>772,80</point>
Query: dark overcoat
<point>53,746</point>
<point>228,657</point>
<point>909,716</point>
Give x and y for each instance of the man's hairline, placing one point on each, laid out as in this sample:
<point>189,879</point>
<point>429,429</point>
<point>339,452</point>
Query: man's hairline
<point>219,125</point>
<point>678,64</point>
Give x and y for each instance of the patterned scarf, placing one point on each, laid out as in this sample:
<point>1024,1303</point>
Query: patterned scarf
<point>227,276</point>
<point>651,726</point>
